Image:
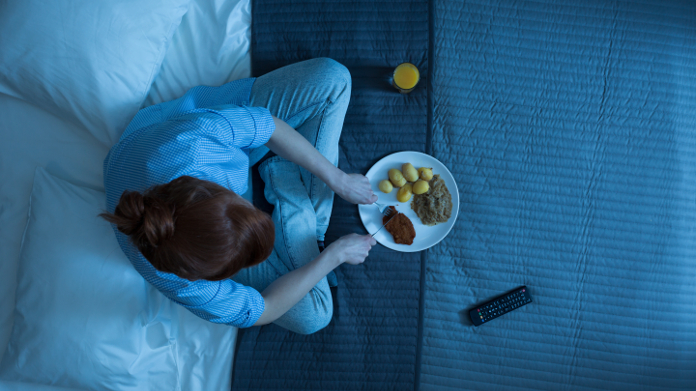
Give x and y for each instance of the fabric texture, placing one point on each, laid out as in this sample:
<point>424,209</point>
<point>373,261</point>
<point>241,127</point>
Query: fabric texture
<point>371,342</point>
<point>207,134</point>
<point>571,135</point>
<point>294,247</point>
<point>312,97</point>
<point>210,47</point>
<point>88,320</point>
<point>17,386</point>
<point>83,315</point>
<point>91,62</point>
<point>569,129</point>
<point>30,137</point>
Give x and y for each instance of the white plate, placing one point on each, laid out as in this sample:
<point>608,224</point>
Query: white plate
<point>426,236</point>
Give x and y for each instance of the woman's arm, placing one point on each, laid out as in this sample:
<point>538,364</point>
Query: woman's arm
<point>287,143</point>
<point>289,289</point>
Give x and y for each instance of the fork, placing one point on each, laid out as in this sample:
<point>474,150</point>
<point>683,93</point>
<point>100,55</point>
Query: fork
<point>387,211</point>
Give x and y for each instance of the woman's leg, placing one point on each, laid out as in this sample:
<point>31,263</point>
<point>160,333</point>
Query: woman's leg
<point>295,245</point>
<point>311,96</point>
<point>309,315</point>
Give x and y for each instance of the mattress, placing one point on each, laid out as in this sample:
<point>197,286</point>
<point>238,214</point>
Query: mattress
<point>569,128</point>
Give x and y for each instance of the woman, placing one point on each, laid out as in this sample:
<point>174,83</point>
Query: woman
<point>173,185</point>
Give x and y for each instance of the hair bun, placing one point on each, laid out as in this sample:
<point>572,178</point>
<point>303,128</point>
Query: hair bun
<point>129,212</point>
<point>158,221</point>
<point>147,220</point>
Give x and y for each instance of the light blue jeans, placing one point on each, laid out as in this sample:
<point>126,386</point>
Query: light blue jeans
<point>311,96</point>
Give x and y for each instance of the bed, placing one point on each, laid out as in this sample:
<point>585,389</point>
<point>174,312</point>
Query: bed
<point>82,320</point>
<point>568,126</point>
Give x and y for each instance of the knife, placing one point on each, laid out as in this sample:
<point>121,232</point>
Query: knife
<point>390,219</point>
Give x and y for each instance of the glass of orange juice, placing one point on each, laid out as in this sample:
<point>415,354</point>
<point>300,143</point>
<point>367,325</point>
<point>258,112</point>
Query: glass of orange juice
<point>406,76</point>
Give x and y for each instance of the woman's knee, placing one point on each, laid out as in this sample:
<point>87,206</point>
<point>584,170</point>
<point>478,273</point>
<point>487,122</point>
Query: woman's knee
<point>332,72</point>
<point>321,313</point>
<point>316,324</point>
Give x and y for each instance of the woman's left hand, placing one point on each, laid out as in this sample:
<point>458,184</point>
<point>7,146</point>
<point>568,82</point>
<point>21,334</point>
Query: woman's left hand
<point>356,189</point>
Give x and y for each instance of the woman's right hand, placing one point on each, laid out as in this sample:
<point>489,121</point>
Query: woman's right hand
<point>352,248</point>
<point>354,188</point>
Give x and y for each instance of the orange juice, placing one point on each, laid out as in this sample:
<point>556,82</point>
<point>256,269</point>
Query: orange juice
<point>406,77</point>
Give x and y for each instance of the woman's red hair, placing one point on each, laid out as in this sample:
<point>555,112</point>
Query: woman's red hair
<point>194,228</point>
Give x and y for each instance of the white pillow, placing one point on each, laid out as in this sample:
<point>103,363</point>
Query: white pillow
<point>29,138</point>
<point>16,386</point>
<point>89,61</point>
<point>210,47</point>
<point>84,317</point>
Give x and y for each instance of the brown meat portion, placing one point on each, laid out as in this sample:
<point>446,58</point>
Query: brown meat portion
<point>400,227</point>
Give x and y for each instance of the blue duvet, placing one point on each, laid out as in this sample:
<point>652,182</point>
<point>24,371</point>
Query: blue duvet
<point>570,128</point>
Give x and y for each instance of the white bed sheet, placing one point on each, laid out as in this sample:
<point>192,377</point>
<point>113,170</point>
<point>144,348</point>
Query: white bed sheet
<point>16,386</point>
<point>210,47</point>
<point>29,138</point>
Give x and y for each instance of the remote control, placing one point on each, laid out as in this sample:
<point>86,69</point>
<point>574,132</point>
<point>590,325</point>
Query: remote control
<point>500,305</point>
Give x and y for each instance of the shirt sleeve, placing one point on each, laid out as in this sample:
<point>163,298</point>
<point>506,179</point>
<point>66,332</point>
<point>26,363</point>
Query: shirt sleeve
<point>231,304</point>
<point>237,126</point>
<point>222,302</point>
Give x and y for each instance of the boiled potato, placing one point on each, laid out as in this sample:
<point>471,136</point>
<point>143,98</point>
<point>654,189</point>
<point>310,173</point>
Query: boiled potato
<point>410,172</point>
<point>396,177</point>
<point>420,187</point>
<point>385,186</point>
<point>425,173</point>
<point>404,194</point>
